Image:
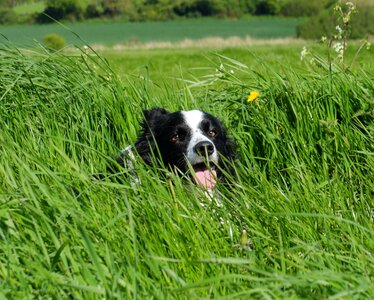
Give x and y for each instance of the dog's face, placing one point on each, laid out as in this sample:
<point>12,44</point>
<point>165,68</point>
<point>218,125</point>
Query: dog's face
<point>186,141</point>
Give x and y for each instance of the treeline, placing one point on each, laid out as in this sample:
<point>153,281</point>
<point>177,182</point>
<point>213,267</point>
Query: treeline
<point>319,17</point>
<point>159,10</point>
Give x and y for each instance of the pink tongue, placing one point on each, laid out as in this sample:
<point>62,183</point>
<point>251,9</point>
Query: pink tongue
<point>206,178</point>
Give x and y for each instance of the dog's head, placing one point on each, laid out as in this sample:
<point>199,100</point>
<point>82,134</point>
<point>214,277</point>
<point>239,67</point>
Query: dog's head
<point>186,141</point>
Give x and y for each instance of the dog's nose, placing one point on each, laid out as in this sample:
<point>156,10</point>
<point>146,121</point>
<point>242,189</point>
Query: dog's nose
<point>204,148</point>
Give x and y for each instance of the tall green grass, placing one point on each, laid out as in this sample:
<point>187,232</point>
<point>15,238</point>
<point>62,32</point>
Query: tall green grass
<point>303,192</point>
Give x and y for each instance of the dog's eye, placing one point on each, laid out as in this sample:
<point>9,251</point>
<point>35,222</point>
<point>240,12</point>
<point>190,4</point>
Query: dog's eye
<point>174,138</point>
<point>212,133</point>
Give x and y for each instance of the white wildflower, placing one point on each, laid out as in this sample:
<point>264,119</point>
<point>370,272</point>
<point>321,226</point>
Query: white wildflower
<point>339,49</point>
<point>340,32</point>
<point>303,53</point>
<point>351,5</point>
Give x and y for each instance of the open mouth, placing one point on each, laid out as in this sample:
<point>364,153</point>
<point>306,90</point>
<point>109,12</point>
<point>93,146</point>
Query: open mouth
<point>205,175</point>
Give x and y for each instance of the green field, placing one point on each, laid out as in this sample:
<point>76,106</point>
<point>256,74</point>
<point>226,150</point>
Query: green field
<point>163,66</point>
<point>109,33</point>
<point>304,189</point>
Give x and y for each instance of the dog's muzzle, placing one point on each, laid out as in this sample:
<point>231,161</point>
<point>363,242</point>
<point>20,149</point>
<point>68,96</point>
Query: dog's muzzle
<point>205,173</point>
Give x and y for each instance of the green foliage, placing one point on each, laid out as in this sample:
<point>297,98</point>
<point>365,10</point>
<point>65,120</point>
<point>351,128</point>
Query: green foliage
<point>118,7</point>
<point>296,223</point>
<point>363,25</point>
<point>20,12</point>
<point>318,26</point>
<point>296,8</point>
<point>7,16</point>
<point>93,11</point>
<point>65,9</point>
<point>53,42</point>
<point>29,8</point>
<point>232,8</point>
<point>267,7</point>
<point>142,10</point>
<point>324,24</point>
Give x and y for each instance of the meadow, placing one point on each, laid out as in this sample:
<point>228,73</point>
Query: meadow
<point>295,223</point>
<point>167,65</point>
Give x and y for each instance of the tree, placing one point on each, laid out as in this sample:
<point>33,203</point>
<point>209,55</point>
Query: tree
<point>118,7</point>
<point>267,7</point>
<point>61,9</point>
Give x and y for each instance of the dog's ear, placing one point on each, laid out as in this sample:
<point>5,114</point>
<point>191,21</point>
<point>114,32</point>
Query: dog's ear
<point>145,144</point>
<point>153,115</point>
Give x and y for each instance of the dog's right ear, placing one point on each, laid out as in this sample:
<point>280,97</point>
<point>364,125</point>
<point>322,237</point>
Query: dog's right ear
<point>145,144</point>
<point>153,115</point>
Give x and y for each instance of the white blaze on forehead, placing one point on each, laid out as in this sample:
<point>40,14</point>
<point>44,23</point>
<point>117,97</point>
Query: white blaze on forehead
<point>193,119</point>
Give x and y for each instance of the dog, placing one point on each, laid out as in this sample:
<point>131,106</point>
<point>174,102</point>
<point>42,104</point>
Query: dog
<point>192,143</point>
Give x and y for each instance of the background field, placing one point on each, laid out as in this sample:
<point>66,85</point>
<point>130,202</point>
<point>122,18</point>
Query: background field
<point>164,66</point>
<point>109,33</point>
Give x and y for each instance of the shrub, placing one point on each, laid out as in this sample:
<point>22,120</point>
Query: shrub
<point>324,24</point>
<point>297,8</point>
<point>267,7</point>
<point>229,8</point>
<point>66,9</point>
<point>53,42</point>
<point>7,16</point>
<point>363,24</point>
<point>113,8</point>
<point>247,6</point>
<point>208,8</point>
<point>315,27</point>
<point>93,11</point>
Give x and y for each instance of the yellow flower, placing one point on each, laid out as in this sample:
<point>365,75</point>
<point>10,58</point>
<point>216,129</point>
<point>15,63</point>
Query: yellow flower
<point>253,96</point>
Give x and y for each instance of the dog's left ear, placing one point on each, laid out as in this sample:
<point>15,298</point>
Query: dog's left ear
<point>153,115</point>
<point>145,145</point>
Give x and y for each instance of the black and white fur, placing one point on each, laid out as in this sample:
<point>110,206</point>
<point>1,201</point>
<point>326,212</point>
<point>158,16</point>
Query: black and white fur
<point>184,141</point>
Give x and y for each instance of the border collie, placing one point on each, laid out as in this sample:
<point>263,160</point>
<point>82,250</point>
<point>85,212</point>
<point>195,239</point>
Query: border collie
<point>187,142</point>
